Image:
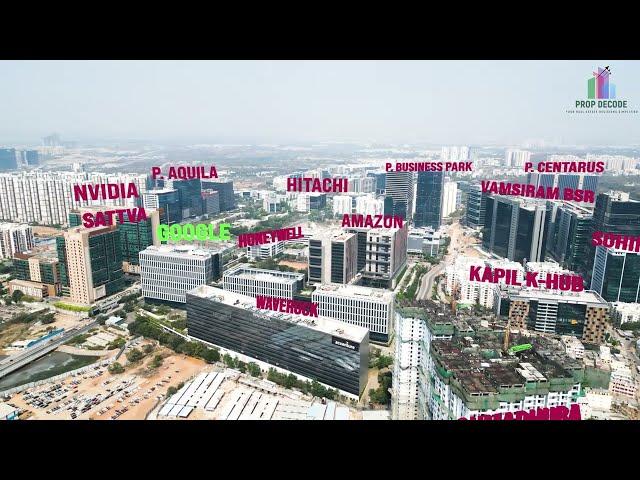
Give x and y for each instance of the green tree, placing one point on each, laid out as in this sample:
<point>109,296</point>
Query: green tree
<point>115,368</point>
<point>135,355</point>
<point>17,295</point>
<point>148,348</point>
<point>156,362</point>
<point>171,391</point>
<point>8,300</point>
<point>254,369</point>
<point>241,366</point>
<point>211,355</point>
<point>384,361</point>
<point>229,361</point>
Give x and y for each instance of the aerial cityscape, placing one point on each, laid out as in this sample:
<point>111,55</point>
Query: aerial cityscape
<point>288,240</point>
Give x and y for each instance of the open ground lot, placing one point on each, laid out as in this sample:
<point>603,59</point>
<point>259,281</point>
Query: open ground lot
<point>99,395</point>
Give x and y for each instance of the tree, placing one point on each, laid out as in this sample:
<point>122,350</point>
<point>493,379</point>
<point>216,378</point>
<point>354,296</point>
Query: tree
<point>241,366</point>
<point>8,300</point>
<point>157,361</point>
<point>211,355</point>
<point>384,361</point>
<point>171,391</point>
<point>115,368</point>
<point>135,355</point>
<point>147,349</point>
<point>128,307</point>
<point>229,361</point>
<point>254,369</point>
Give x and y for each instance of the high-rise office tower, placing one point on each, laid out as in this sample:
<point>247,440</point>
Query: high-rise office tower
<point>333,257</point>
<point>381,181</point>
<point>614,212</point>
<point>564,180</point>
<point>476,207</point>
<point>616,275</point>
<point>190,193</point>
<point>227,195</point>
<point>15,238</point>
<point>429,196</point>
<point>8,159</point>
<point>135,236</point>
<point>382,252</point>
<point>169,271</point>
<point>167,201</point>
<point>399,187</point>
<point>90,263</point>
<point>32,157</point>
<point>569,229</point>
<point>515,228</point>
<point>211,202</point>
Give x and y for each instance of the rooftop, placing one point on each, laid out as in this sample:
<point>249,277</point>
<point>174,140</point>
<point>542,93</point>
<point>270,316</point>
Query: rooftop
<point>479,366</point>
<point>323,324</point>
<point>242,271</point>
<point>356,291</point>
<point>180,251</point>
<point>586,296</point>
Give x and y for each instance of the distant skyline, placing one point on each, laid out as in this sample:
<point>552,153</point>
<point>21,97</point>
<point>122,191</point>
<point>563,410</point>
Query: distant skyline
<point>285,102</point>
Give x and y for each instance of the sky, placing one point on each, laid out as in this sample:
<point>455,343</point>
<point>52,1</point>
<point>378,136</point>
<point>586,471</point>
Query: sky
<point>438,102</point>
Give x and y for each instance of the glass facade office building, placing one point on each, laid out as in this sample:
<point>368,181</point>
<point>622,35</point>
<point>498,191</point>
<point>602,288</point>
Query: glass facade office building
<point>476,207</point>
<point>616,275</point>
<point>614,213</point>
<point>231,321</point>
<point>429,191</point>
<point>515,229</point>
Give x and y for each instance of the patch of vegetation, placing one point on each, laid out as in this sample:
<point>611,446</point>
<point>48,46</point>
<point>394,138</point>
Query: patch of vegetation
<point>71,308</point>
<point>291,381</point>
<point>147,328</point>
<point>381,395</point>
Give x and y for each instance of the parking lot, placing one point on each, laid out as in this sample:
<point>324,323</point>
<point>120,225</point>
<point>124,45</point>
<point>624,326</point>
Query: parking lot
<point>97,394</point>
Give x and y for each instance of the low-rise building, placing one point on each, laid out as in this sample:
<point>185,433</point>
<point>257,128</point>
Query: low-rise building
<point>255,281</point>
<point>367,307</point>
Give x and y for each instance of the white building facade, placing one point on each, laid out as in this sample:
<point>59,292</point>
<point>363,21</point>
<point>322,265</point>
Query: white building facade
<point>168,272</point>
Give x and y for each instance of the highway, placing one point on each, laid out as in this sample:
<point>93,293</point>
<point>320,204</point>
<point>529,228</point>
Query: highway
<point>14,362</point>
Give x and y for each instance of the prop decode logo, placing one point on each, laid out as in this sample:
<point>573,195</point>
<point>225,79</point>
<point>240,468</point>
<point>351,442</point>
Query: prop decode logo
<point>601,95</point>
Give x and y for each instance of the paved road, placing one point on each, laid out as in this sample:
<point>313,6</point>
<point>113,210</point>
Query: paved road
<point>14,362</point>
<point>426,286</point>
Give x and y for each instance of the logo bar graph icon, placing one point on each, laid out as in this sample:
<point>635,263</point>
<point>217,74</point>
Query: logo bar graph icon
<point>599,86</point>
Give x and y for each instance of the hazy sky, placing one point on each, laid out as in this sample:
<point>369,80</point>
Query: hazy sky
<point>470,102</point>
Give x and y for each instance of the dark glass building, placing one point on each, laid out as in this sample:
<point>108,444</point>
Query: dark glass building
<point>167,201</point>
<point>399,187</point>
<point>569,227</point>
<point>227,195</point>
<point>331,352</point>
<point>429,191</point>
<point>380,181</point>
<point>614,213</point>
<point>190,194</point>
<point>515,229</point>
<point>616,275</point>
<point>476,207</point>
